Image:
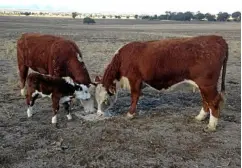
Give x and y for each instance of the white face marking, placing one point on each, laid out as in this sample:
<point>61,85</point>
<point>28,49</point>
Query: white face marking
<point>23,91</point>
<point>41,94</point>
<point>213,122</point>
<point>202,115</point>
<point>65,99</point>
<point>30,112</point>
<point>69,117</point>
<point>84,93</point>
<point>103,99</point>
<point>54,119</point>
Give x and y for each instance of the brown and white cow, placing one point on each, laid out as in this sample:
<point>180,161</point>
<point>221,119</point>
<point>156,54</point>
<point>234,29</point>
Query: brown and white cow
<point>60,90</point>
<point>164,63</point>
<point>52,55</point>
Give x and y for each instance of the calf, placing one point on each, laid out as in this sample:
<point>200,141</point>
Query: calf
<point>60,90</point>
<point>163,63</point>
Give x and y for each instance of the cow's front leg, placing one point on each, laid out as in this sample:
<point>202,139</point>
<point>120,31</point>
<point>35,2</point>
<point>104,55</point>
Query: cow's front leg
<point>135,93</point>
<point>67,110</point>
<point>30,100</point>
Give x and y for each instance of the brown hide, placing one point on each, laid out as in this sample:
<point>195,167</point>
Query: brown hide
<point>163,63</point>
<point>48,54</point>
<point>166,62</point>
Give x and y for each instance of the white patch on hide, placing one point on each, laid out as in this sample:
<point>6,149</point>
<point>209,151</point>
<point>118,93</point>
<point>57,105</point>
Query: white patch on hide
<point>124,83</point>
<point>41,94</point>
<point>69,117</point>
<point>213,122</point>
<point>202,115</point>
<point>30,112</point>
<point>65,99</point>
<point>79,58</point>
<point>69,80</point>
<point>54,119</point>
<point>182,82</point>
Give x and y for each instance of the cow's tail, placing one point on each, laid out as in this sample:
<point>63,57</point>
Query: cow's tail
<point>222,103</point>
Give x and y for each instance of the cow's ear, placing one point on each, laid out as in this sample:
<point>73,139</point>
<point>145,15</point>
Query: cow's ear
<point>97,79</point>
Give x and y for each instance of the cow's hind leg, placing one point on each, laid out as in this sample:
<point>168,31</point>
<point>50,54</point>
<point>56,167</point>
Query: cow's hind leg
<point>67,110</point>
<point>204,111</point>
<point>213,99</point>
<point>23,72</point>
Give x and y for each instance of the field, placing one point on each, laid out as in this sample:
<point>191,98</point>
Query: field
<point>163,135</point>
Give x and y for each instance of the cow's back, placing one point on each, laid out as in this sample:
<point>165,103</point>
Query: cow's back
<point>173,59</point>
<point>35,50</point>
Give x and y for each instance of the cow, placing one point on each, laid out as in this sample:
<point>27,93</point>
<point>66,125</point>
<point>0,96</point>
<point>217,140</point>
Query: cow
<point>167,62</point>
<point>51,55</point>
<point>60,90</point>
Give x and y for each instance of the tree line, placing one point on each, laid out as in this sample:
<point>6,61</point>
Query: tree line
<point>188,16</point>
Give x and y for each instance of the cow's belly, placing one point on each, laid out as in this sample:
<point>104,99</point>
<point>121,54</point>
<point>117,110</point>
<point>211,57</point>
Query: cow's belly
<point>170,85</point>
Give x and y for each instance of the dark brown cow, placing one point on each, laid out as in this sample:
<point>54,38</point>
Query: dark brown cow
<point>60,90</point>
<point>164,63</point>
<point>48,54</point>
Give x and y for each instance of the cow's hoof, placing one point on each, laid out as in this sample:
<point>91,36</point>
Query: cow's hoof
<point>100,113</point>
<point>69,117</point>
<point>208,128</point>
<point>130,116</point>
<point>23,92</point>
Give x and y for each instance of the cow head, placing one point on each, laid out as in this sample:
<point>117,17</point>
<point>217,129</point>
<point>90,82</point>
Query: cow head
<point>105,97</point>
<point>82,92</point>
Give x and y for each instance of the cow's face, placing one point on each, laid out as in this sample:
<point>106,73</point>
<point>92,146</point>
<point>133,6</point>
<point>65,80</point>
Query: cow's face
<point>82,92</point>
<point>105,97</point>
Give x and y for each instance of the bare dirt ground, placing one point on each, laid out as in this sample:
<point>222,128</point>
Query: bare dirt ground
<point>163,135</point>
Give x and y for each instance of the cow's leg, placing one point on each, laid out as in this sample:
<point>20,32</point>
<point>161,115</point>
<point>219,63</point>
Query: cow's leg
<point>30,102</point>
<point>135,93</point>
<point>214,99</point>
<point>204,111</point>
<point>55,108</point>
<point>67,110</point>
<point>23,72</point>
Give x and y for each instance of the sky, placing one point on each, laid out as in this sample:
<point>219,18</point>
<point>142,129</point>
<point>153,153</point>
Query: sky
<point>130,6</point>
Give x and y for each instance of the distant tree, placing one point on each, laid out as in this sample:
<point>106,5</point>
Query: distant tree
<point>236,16</point>
<point>104,17</point>
<point>188,16</point>
<point>74,15</point>
<point>136,16</point>
<point>27,13</point>
<point>162,17</point>
<point>210,17</point>
<point>168,13</point>
<point>199,16</point>
<point>127,17</point>
<point>145,17</point>
<point>88,20</point>
<point>222,16</point>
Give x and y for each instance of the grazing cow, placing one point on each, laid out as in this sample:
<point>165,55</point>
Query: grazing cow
<point>60,90</point>
<point>163,63</point>
<point>52,55</point>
